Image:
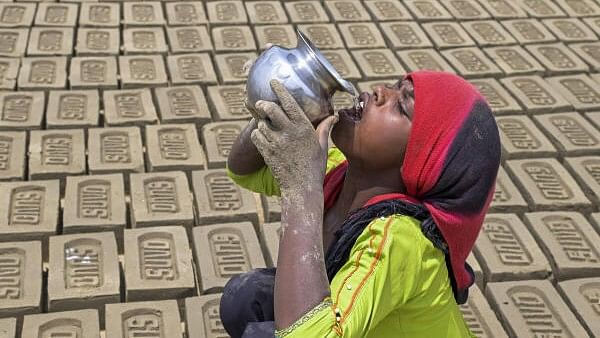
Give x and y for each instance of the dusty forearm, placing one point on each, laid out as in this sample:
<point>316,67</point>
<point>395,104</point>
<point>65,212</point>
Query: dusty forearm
<point>301,280</point>
<point>244,158</point>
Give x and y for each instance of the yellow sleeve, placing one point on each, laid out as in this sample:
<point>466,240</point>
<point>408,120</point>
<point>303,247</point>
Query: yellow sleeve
<point>263,182</point>
<point>380,276</point>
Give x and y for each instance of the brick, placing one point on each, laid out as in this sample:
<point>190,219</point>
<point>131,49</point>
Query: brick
<point>21,110</point>
<point>158,264</point>
<point>596,220</point>
<point>342,100</point>
<point>188,39</point>
<point>347,11</point>
<point>370,86</point>
<point>50,41</point>
<point>173,147</point>
<point>222,251</point>
<point>323,36</point>
<point>522,139</point>
<point>8,327</point>
<point>479,316</point>
<point>269,236</point>
<point>594,117</point>
<point>579,8</point>
<point>12,155</point>
<point>220,200</point>
<point>231,66</point>
<point>123,320</point>
<point>589,52</point>
<point>423,59</point>
<point>447,34</point>
<point>558,59</point>
<point>142,71</point>
<point>387,10</point>
<point>507,197</point>
<point>144,40</point>
<point>226,12</point>
<point>361,35</point>
<point>471,63</point>
<point>571,133</point>
<point>497,97</point>
<point>532,307</point>
<point>227,102</point>
<point>488,33</point>
<point>403,35</point>
<point>217,139</point>
<point>208,307</point>
<point>17,14</point>
<point>233,39</point>
<point>185,13</point>
<point>93,73</point>
<point>99,15</point>
<point>195,68</point>
<point>43,73</point>
<point>9,68</point>
<point>143,14</point>
<point>541,8</point>
<point>508,251</point>
<point>528,31</point>
<point>427,10</point>
<point>160,199</point>
<point>547,185</point>
<point>593,23</point>
<point>570,30</point>
<point>182,104</point>
<point>586,171</point>
<point>378,63</point>
<point>266,12</point>
<point>581,295</point>
<point>115,150</point>
<point>503,9</point>
<point>535,94</point>
<point>72,109</point>
<point>98,41</point>
<point>56,154</point>
<point>22,285</point>
<point>569,240</point>
<point>83,323</point>
<point>13,41</point>
<point>128,107</point>
<point>306,11</point>
<point>514,60</point>
<point>341,60</point>
<point>83,272</point>
<point>56,14</point>
<point>95,203</point>
<point>465,10</point>
<point>280,35</point>
<point>580,90</point>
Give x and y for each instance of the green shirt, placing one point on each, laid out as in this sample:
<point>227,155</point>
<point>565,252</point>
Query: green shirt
<point>394,284</point>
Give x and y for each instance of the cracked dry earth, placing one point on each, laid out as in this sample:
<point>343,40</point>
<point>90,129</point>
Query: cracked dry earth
<point>117,218</point>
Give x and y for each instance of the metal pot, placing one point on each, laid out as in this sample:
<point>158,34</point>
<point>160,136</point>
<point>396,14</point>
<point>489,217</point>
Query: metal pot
<point>304,71</point>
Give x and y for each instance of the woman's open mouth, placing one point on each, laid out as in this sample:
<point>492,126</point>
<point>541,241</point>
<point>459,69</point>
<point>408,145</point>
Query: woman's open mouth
<point>355,113</point>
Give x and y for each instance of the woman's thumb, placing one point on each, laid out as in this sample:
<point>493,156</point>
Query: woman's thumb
<point>324,128</point>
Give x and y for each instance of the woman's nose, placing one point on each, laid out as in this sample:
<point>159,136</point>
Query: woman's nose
<point>380,94</point>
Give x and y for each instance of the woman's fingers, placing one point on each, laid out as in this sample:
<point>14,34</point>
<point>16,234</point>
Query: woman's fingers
<point>270,110</point>
<point>260,141</point>
<point>323,130</point>
<point>263,127</point>
<point>288,103</point>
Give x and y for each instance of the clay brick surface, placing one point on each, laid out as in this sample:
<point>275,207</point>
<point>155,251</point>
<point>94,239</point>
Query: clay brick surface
<point>14,41</point>
<point>401,35</point>
<point>465,10</point>
<point>8,328</point>
<point>387,10</point>
<point>142,318</point>
<point>593,23</point>
<point>535,94</point>
<point>21,110</point>
<point>43,73</point>
<point>206,307</point>
<point>217,139</point>
<point>347,10</point>
<point>272,208</point>
<point>98,41</point>
<point>528,31</point>
<point>479,316</point>
<point>488,33</point>
<point>594,117</point>
<point>280,35</point>
<point>17,14</point>
<point>558,59</point>
<point>532,306</point>
<point>323,36</point>
<point>95,203</point>
<point>541,9</point>
<point>160,199</point>
<point>93,72</point>
<point>447,34</point>
<point>222,251</point>
<point>226,12</point>
<point>571,133</point>
<point>144,40</point>
<point>143,14</point>
<point>195,68</point>
<point>231,67</point>
<point>570,30</point>
<point>12,155</point>
<point>173,147</point>
<point>83,323</point>
<point>427,10</point>
<point>185,13</point>
<point>507,197</point>
<point>158,264</point>
<point>22,285</point>
<point>589,52</point>
<point>99,14</point>
<point>72,109</point>
<point>369,86</point>
<point>227,102</point>
<point>128,107</point>
<point>56,15</point>
<point>220,200</point>
<point>182,104</point>
<point>269,238</point>
<point>580,90</point>
<point>508,251</point>
<point>503,9</point>
<point>56,154</point>
<point>342,62</point>
<point>50,41</point>
<point>188,39</point>
<point>423,59</point>
<point>142,70</point>
<point>378,63</point>
<point>585,170</point>
<point>342,100</point>
<point>9,69</point>
<point>115,150</point>
<point>266,12</point>
<point>471,62</point>
<point>83,272</point>
<point>233,39</point>
<point>546,185</point>
<point>361,35</point>
<point>515,60</point>
<point>596,220</point>
<point>499,99</point>
<point>579,8</point>
<point>306,11</point>
<point>581,296</point>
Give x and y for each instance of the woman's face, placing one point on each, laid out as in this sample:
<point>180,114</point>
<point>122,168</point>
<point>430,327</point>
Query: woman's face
<point>377,135</point>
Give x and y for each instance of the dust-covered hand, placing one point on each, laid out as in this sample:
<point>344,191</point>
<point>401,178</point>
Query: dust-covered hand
<point>288,142</point>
